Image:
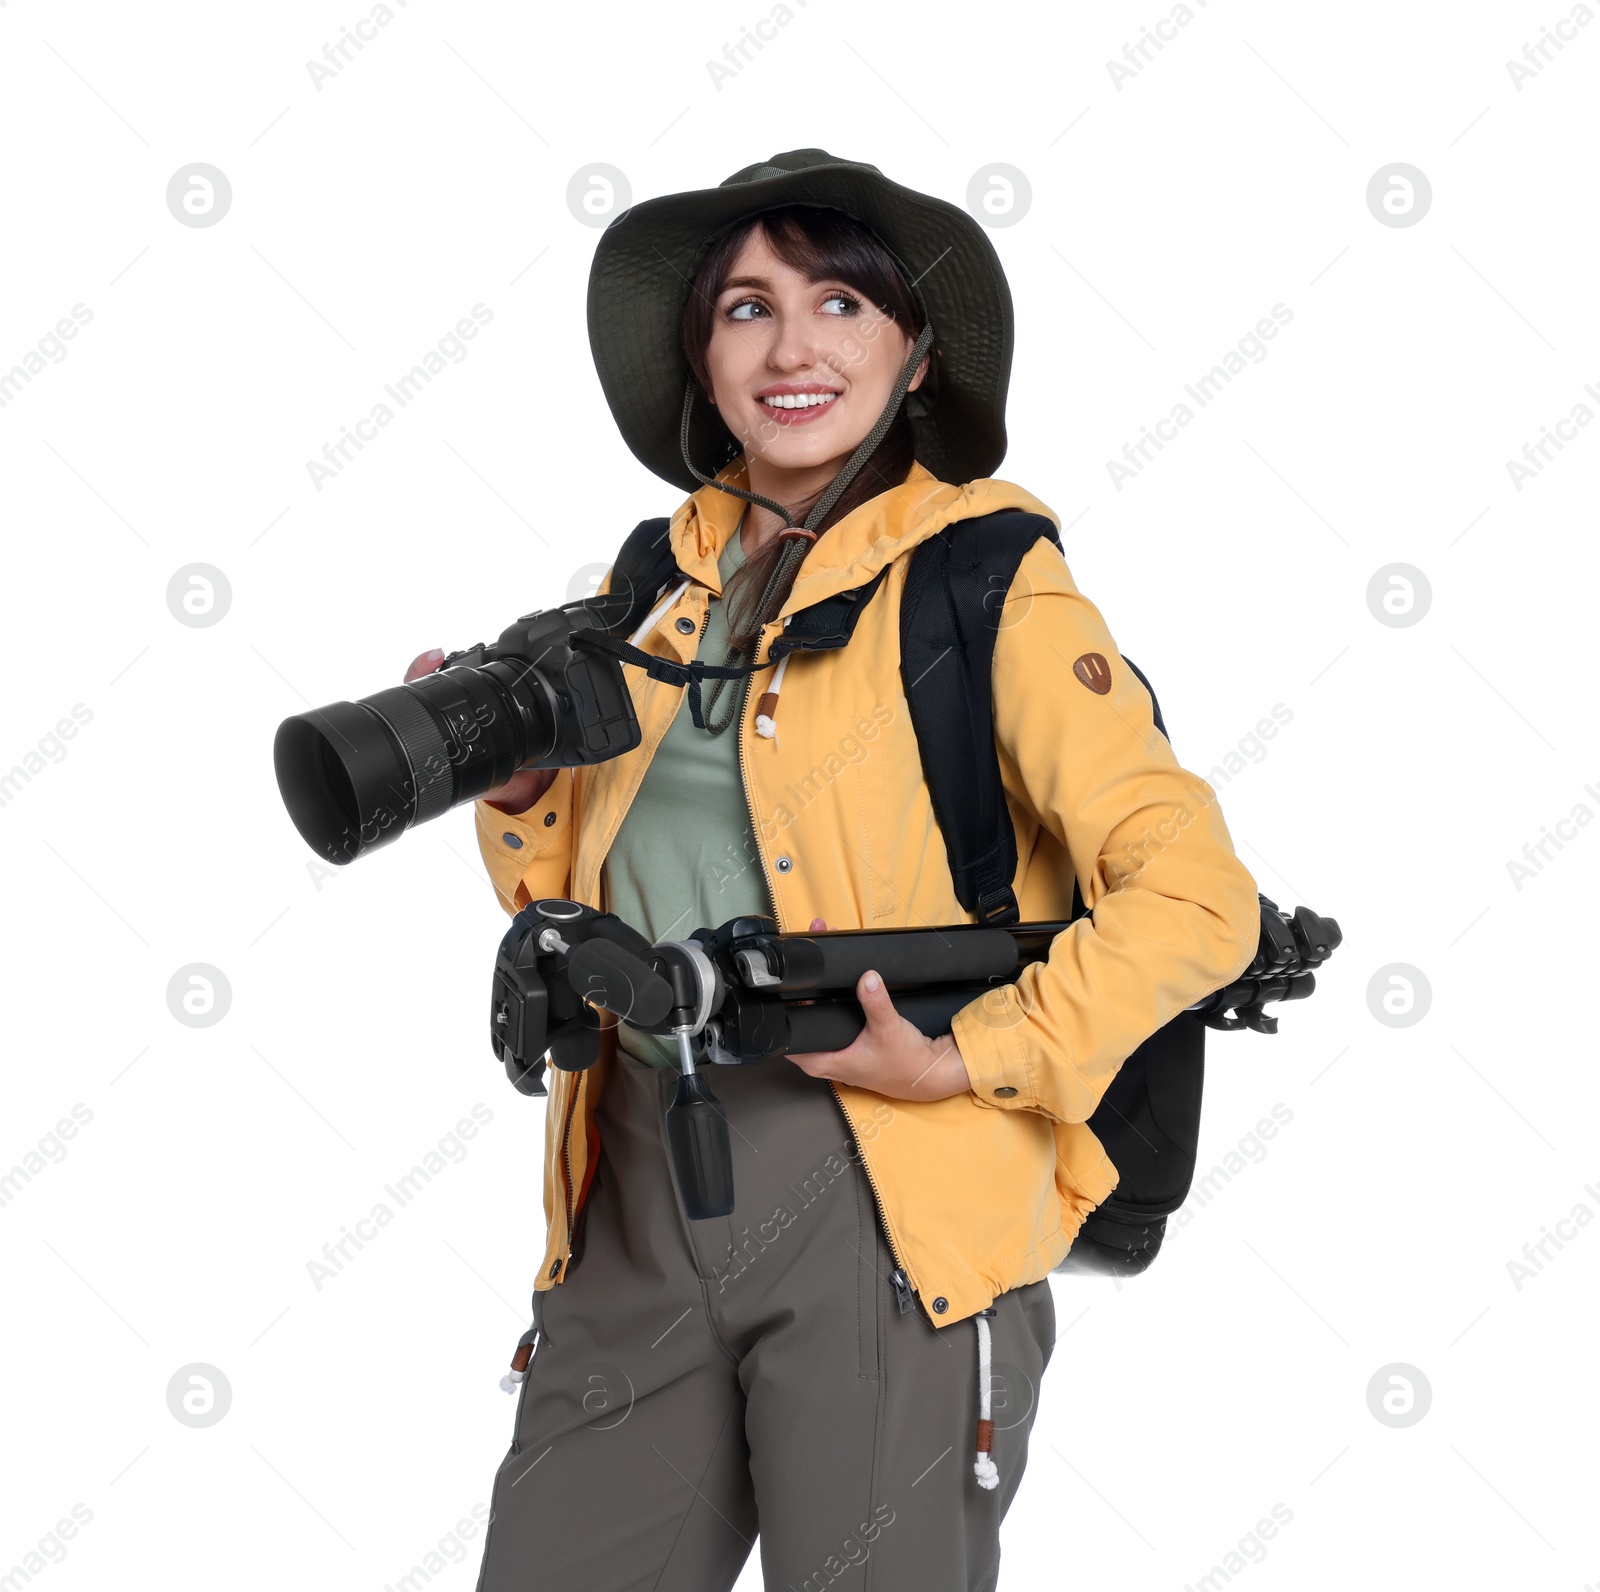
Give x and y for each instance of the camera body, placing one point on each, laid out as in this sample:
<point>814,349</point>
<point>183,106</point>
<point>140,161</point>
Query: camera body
<point>354,775</point>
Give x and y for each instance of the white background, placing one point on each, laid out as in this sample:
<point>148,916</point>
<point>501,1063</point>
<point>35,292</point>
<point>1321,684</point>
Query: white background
<point>1168,216</point>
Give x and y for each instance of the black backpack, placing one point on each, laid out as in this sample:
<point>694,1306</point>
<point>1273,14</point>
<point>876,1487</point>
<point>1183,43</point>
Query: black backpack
<point>1149,1118</point>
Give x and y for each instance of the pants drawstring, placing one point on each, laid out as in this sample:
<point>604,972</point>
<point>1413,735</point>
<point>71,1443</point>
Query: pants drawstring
<point>983,1466</point>
<point>519,1361</point>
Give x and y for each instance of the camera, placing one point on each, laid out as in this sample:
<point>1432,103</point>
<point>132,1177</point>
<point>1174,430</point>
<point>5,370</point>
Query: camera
<point>354,775</point>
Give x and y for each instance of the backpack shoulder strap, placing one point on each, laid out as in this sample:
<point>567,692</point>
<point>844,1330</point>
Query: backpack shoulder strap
<point>828,624</point>
<point>949,618</point>
<point>643,566</point>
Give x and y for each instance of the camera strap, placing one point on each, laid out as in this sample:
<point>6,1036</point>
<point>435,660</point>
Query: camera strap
<point>686,676</point>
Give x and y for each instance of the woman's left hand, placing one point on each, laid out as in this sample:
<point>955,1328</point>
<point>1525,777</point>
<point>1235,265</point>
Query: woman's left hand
<point>890,1056</point>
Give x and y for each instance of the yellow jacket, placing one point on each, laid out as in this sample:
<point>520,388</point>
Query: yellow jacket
<point>985,1191</point>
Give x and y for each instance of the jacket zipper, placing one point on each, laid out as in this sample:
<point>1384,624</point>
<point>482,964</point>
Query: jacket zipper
<point>900,1278</point>
<point>902,1290</point>
<point>738,732</point>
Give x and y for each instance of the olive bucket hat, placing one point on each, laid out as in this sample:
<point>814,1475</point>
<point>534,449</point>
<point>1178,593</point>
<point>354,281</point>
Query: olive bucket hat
<point>647,258</point>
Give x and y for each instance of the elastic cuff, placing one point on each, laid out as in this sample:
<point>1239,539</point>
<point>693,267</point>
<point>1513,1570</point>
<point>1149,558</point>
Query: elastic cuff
<point>988,1033</point>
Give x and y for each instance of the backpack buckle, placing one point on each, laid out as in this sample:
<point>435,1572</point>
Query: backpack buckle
<point>998,906</point>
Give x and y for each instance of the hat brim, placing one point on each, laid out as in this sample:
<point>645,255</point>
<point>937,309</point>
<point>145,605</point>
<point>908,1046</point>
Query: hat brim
<point>646,261</point>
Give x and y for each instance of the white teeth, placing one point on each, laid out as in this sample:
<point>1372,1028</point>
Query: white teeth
<point>800,400</point>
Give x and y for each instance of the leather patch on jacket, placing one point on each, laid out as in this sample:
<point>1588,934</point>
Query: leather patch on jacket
<point>1093,671</point>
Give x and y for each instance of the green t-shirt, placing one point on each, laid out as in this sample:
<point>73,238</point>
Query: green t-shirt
<point>685,857</point>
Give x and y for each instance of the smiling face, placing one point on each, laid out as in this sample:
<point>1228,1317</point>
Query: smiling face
<point>799,370</point>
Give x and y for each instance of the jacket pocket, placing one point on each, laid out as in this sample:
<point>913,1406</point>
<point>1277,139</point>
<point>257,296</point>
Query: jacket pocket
<point>539,1302</point>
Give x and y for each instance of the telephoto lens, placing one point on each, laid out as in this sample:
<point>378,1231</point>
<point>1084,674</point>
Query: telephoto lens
<point>354,775</point>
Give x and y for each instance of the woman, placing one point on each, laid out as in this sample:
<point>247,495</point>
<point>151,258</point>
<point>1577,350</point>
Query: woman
<point>825,353</point>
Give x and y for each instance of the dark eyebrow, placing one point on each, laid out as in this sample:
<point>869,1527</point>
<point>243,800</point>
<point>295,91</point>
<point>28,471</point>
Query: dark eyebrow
<point>762,285</point>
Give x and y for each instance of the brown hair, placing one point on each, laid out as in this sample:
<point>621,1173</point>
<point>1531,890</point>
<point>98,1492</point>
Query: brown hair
<point>826,245</point>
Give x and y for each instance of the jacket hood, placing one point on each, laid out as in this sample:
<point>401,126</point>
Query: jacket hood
<point>850,552</point>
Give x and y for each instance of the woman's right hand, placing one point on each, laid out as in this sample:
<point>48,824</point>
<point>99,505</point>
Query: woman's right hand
<point>525,787</point>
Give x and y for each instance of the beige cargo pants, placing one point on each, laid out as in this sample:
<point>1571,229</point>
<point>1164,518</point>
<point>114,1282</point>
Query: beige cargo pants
<point>699,1385</point>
